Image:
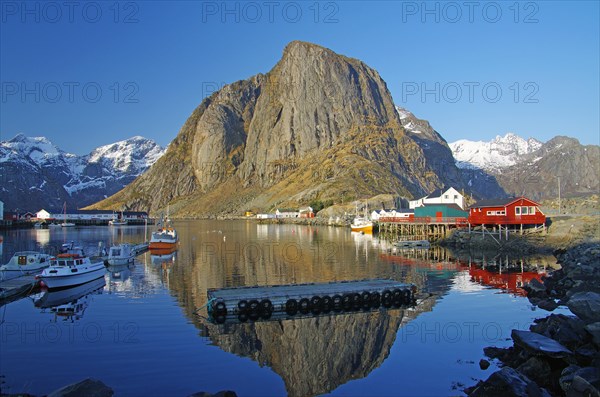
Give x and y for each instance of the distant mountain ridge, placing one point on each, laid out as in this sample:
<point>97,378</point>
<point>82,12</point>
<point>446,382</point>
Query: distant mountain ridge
<point>499,153</point>
<point>36,173</point>
<point>533,168</point>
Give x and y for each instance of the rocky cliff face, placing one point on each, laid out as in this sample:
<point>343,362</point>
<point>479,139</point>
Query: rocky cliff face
<point>317,126</point>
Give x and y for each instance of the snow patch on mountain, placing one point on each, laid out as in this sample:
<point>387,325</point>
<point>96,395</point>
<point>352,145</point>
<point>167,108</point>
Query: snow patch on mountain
<point>495,155</point>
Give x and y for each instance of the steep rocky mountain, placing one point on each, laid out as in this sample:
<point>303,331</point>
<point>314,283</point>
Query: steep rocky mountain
<point>36,174</point>
<point>317,126</point>
<point>532,168</point>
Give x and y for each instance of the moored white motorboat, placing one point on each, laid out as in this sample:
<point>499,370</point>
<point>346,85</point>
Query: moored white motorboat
<point>24,262</point>
<point>121,254</point>
<point>71,269</point>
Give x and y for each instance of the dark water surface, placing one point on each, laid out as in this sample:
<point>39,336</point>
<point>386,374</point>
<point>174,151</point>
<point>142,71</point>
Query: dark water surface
<point>137,329</point>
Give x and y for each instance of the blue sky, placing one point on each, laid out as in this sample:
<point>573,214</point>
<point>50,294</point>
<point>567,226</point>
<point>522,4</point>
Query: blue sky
<point>91,73</point>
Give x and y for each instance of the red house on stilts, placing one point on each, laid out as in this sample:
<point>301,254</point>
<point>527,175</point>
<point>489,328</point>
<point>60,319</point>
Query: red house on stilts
<point>519,211</point>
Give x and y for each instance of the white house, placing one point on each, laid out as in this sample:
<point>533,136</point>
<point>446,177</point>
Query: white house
<point>285,213</point>
<point>393,213</point>
<point>450,196</point>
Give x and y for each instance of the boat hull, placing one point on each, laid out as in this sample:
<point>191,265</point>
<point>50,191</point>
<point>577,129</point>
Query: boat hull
<point>367,229</point>
<point>162,245</point>
<point>69,280</point>
<point>9,274</point>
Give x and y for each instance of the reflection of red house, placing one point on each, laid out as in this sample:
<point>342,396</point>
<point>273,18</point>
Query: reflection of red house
<point>511,282</point>
<point>511,211</point>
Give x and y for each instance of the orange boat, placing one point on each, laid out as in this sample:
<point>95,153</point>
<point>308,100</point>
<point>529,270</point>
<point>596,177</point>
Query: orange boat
<point>164,239</point>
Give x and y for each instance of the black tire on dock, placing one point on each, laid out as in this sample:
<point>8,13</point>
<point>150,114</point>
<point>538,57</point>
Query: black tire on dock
<point>397,295</point>
<point>220,308</point>
<point>243,306</point>
<point>266,306</point>
<point>326,304</point>
<point>386,295</point>
<point>406,296</point>
<point>347,301</point>
<point>375,299</point>
<point>243,317</point>
<point>315,303</point>
<point>356,301</point>
<point>253,306</point>
<point>337,302</point>
<point>366,299</point>
<point>304,305</point>
<point>291,307</point>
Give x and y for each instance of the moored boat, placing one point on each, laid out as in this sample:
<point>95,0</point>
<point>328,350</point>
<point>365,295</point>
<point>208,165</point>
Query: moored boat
<point>24,262</point>
<point>362,225</point>
<point>70,269</point>
<point>164,238</point>
<point>117,222</point>
<point>121,254</point>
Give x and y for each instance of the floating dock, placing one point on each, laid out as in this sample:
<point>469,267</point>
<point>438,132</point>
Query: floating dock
<point>344,296</point>
<point>17,287</point>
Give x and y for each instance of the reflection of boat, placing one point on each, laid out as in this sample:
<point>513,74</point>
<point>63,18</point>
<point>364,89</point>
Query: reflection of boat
<point>53,298</point>
<point>24,262</point>
<point>119,273</point>
<point>69,269</point>
<point>165,256</point>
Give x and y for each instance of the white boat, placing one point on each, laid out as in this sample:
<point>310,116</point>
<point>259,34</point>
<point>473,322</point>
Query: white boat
<point>121,254</point>
<point>53,225</point>
<point>71,269</point>
<point>117,222</point>
<point>24,262</point>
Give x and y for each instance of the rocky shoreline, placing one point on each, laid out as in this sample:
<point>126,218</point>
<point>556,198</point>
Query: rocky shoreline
<point>560,354</point>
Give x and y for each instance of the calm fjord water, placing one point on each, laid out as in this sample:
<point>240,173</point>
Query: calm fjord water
<point>137,329</point>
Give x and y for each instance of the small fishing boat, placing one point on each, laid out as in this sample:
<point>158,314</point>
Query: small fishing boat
<point>121,254</point>
<point>362,225</point>
<point>24,262</point>
<point>164,238</point>
<point>117,222</point>
<point>412,244</point>
<point>70,269</point>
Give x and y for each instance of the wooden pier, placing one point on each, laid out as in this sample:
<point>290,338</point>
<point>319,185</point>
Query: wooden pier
<point>16,288</point>
<point>262,301</point>
<point>420,228</point>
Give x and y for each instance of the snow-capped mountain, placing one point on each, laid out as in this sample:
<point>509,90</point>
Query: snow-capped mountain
<point>36,173</point>
<point>531,168</point>
<point>495,155</point>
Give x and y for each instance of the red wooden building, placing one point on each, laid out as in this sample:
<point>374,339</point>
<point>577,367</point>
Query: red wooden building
<point>510,211</point>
